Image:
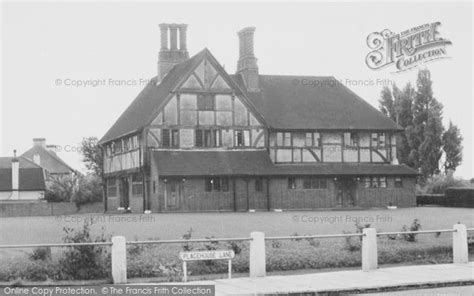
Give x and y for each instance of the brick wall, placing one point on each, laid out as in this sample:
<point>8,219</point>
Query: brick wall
<point>24,209</point>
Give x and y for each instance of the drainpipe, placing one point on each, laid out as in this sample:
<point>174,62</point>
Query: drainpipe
<point>268,194</point>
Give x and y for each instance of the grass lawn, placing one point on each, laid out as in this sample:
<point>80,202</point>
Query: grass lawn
<point>282,256</point>
<point>24,230</point>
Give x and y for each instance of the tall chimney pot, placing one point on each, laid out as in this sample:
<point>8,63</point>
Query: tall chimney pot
<point>247,65</point>
<point>182,36</point>
<point>164,36</point>
<point>173,37</point>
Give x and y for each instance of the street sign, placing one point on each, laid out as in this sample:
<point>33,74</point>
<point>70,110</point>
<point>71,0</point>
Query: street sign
<point>206,255</point>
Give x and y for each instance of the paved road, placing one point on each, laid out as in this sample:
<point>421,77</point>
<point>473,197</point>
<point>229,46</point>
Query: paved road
<point>449,291</point>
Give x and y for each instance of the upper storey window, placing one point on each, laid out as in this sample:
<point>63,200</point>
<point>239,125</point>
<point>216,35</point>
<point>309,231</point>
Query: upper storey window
<point>208,138</point>
<point>351,140</point>
<point>170,138</point>
<point>206,102</point>
<point>378,140</point>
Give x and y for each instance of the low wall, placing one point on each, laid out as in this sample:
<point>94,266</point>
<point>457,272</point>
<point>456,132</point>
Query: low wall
<point>39,208</point>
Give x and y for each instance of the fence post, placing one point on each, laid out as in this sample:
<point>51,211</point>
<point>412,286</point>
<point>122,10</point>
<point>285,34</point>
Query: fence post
<point>257,255</point>
<point>369,249</point>
<point>460,253</point>
<point>119,260</point>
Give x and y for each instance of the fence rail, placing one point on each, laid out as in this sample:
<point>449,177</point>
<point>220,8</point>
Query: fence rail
<point>184,241</point>
<point>416,232</point>
<point>313,236</point>
<point>59,245</point>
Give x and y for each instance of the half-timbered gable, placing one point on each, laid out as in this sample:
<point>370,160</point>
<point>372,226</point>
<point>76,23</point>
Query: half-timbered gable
<point>207,110</point>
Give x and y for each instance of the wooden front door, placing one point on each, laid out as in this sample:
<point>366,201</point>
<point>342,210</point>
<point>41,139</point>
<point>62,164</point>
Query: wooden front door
<point>345,192</point>
<point>124,193</point>
<point>174,192</point>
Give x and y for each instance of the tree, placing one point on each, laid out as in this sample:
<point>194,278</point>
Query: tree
<point>61,188</point>
<point>92,155</point>
<point>397,105</point>
<point>425,134</point>
<point>387,104</point>
<point>452,146</point>
<point>89,190</point>
<point>422,143</point>
<point>430,150</point>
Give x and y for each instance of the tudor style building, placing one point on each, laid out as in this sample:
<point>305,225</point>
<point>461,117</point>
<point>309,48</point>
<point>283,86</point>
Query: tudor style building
<point>199,139</point>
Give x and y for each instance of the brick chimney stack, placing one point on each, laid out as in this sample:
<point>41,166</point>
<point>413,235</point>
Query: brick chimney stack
<point>172,55</point>
<point>247,65</point>
<point>39,142</point>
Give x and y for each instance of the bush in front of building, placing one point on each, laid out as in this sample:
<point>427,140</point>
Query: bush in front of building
<point>84,262</point>
<point>459,197</point>
<point>61,188</point>
<point>89,190</point>
<point>438,184</point>
<point>41,253</point>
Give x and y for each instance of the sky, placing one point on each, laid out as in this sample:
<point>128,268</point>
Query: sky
<point>70,69</point>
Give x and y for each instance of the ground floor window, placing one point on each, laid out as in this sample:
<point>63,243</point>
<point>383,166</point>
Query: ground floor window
<point>291,183</point>
<point>398,182</point>
<point>112,187</point>
<point>375,182</point>
<point>137,185</point>
<point>314,183</point>
<point>216,184</point>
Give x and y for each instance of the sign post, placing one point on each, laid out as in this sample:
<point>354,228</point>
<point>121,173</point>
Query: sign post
<point>206,255</point>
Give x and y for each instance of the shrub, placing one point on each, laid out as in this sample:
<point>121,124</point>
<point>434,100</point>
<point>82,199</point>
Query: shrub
<point>276,244</point>
<point>313,242</point>
<point>437,184</point>
<point>295,239</point>
<point>84,262</point>
<point>236,247</point>
<point>351,243</point>
<point>41,253</point>
<point>89,190</point>
<point>60,188</point>
<point>187,236</point>
<point>415,226</point>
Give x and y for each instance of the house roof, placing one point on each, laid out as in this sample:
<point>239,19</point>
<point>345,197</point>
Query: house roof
<point>199,163</point>
<point>257,162</point>
<point>285,102</point>
<point>146,105</point>
<point>31,176</point>
<point>302,102</point>
<point>49,160</point>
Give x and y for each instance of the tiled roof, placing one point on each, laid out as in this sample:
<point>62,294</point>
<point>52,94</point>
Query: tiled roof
<point>285,102</point>
<point>31,176</point>
<point>198,163</point>
<point>258,163</point>
<point>146,105</point>
<point>49,160</point>
<point>307,102</point>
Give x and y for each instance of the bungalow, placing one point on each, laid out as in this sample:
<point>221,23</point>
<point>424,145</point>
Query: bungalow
<point>200,139</point>
<point>20,179</point>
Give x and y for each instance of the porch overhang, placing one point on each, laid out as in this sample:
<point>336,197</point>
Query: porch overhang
<point>195,163</point>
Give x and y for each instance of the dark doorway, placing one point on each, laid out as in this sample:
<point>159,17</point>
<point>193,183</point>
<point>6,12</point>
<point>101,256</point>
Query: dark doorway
<point>345,192</point>
<point>173,194</point>
<point>124,193</point>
